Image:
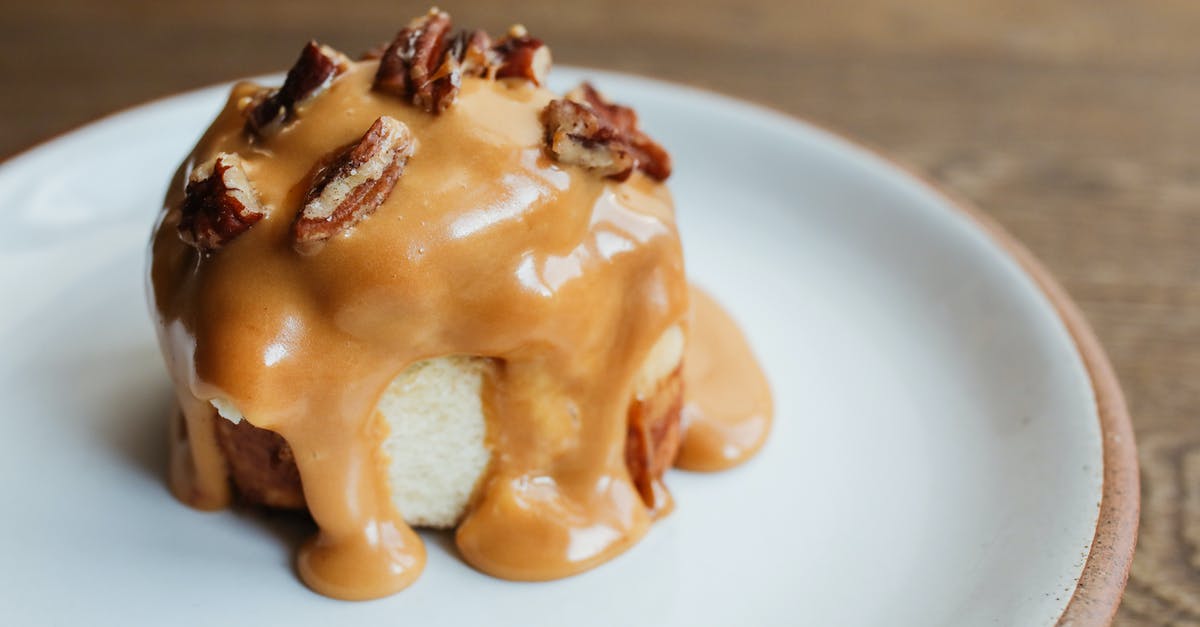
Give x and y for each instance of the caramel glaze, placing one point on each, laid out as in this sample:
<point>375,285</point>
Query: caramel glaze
<point>728,411</point>
<point>486,247</point>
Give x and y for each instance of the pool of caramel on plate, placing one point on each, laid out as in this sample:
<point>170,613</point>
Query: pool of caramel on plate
<point>485,247</point>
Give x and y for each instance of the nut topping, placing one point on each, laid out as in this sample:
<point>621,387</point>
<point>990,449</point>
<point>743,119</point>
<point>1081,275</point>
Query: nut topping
<point>465,53</point>
<point>219,204</point>
<point>425,64</point>
<point>576,135</point>
<point>586,129</point>
<point>474,50</point>
<point>522,56</point>
<point>651,157</point>
<point>315,69</point>
<point>468,52</point>
<point>353,184</point>
<point>413,60</point>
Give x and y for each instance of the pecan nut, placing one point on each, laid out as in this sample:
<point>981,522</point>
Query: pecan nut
<point>312,73</point>
<point>588,130</point>
<point>653,436</point>
<point>576,135</point>
<point>353,184</point>
<point>425,64</point>
<point>219,203</point>
<point>522,56</point>
<point>414,60</point>
<point>651,157</point>
<point>473,49</point>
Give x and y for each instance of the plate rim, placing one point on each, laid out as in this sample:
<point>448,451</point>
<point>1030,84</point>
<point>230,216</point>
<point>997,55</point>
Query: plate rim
<point>1101,583</point>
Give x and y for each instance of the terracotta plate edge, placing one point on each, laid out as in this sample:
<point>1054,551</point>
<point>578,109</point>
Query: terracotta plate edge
<point>1102,583</point>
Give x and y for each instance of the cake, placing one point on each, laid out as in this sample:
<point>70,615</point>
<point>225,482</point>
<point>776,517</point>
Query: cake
<point>422,290</point>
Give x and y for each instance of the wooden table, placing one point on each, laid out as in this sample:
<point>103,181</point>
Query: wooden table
<point>1076,124</point>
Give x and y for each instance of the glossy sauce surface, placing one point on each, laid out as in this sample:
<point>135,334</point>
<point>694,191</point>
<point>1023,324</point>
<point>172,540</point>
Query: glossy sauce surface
<point>485,247</point>
<point>728,411</point>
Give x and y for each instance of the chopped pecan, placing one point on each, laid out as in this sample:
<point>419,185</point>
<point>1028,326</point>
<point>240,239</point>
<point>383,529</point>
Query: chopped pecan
<point>424,64</point>
<point>353,184</point>
<point>219,203</point>
<point>575,134</point>
<point>467,53</point>
<point>653,436</point>
<point>522,56</point>
<point>474,51</point>
<point>622,117</point>
<point>588,130</point>
<point>651,157</point>
<point>414,60</point>
<point>315,69</point>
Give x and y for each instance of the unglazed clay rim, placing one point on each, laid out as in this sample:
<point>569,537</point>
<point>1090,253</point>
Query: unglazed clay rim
<point>1101,583</point>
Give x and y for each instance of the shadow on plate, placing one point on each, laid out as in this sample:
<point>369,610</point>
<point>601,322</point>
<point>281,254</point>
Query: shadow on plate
<point>129,414</point>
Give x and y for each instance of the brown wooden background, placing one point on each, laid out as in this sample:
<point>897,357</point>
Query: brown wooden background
<point>1074,123</point>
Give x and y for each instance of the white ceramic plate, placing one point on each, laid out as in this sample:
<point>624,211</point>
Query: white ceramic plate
<point>937,458</point>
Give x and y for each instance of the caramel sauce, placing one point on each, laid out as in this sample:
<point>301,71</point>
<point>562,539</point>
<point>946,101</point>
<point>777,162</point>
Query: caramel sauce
<point>728,411</point>
<point>485,247</point>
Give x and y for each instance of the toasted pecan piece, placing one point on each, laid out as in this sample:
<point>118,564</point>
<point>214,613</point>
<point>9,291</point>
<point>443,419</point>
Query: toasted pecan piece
<point>588,130</point>
<point>576,135</point>
<point>474,51</point>
<point>651,157</point>
<point>415,59</point>
<point>467,53</point>
<point>653,437</point>
<point>219,203</point>
<point>425,64</point>
<point>353,183</point>
<point>521,56</point>
<point>312,73</point>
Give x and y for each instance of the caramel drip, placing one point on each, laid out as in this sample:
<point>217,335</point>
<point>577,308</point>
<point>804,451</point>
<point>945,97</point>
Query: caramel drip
<point>728,411</point>
<point>485,247</point>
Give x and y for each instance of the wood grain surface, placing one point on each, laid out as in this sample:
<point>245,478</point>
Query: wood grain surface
<point>1075,124</point>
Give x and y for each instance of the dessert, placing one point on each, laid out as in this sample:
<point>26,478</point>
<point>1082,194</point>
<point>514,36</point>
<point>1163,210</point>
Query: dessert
<point>421,289</point>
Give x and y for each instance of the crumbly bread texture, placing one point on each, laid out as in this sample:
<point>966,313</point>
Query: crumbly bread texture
<point>437,442</point>
<point>437,445</point>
